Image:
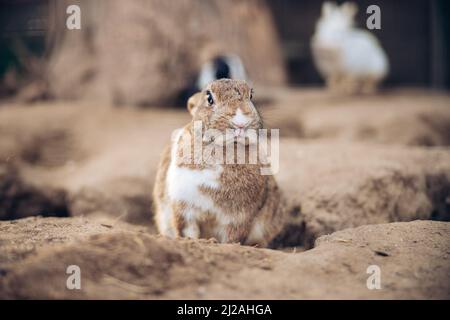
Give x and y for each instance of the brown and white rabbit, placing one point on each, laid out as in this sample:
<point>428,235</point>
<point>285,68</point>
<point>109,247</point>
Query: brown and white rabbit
<point>200,198</point>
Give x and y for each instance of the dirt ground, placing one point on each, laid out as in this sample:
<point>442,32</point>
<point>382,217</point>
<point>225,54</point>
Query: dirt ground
<point>354,170</point>
<point>123,262</point>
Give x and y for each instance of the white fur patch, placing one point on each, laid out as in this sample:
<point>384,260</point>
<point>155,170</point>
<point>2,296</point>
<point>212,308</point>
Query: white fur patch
<point>183,184</point>
<point>240,119</point>
<point>191,231</point>
<point>165,221</point>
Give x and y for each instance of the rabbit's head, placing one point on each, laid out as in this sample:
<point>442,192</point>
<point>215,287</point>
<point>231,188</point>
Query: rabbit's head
<point>335,19</point>
<point>226,104</point>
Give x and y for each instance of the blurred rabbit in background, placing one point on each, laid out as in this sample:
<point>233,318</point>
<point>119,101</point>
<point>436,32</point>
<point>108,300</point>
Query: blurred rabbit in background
<point>350,60</point>
<point>220,66</point>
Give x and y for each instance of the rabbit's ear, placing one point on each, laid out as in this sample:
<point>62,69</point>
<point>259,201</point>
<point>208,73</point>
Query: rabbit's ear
<point>328,7</point>
<point>193,102</point>
<point>349,9</point>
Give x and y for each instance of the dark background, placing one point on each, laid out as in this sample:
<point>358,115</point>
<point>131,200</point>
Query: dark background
<point>414,33</point>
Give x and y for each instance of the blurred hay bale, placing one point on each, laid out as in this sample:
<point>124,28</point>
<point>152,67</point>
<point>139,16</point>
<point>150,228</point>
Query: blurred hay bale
<point>146,51</point>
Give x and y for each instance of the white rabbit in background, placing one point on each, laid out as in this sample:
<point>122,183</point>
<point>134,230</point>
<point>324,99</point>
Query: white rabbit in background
<point>351,60</point>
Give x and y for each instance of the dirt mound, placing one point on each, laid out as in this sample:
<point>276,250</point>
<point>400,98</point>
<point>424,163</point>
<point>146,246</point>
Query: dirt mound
<point>156,56</point>
<point>21,238</point>
<point>332,186</point>
<point>402,117</point>
<point>121,261</point>
<point>105,164</point>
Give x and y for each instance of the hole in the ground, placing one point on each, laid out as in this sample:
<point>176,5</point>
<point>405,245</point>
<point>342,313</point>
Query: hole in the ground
<point>293,235</point>
<point>438,189</point>
<point>300,233</point>
<point>19,199</point>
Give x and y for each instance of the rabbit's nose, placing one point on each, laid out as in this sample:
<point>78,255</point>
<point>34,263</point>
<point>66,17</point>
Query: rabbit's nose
<point>240,120</point>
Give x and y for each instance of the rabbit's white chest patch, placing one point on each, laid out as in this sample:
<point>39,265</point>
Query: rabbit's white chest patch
<point>183,184</point>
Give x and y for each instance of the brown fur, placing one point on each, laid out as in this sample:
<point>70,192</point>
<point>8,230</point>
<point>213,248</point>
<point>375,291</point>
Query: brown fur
<point>178,218</point>
<point>244,195</point>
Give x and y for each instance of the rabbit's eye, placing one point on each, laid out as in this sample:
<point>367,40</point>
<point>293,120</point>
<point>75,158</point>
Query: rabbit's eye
<point>209,98</point>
